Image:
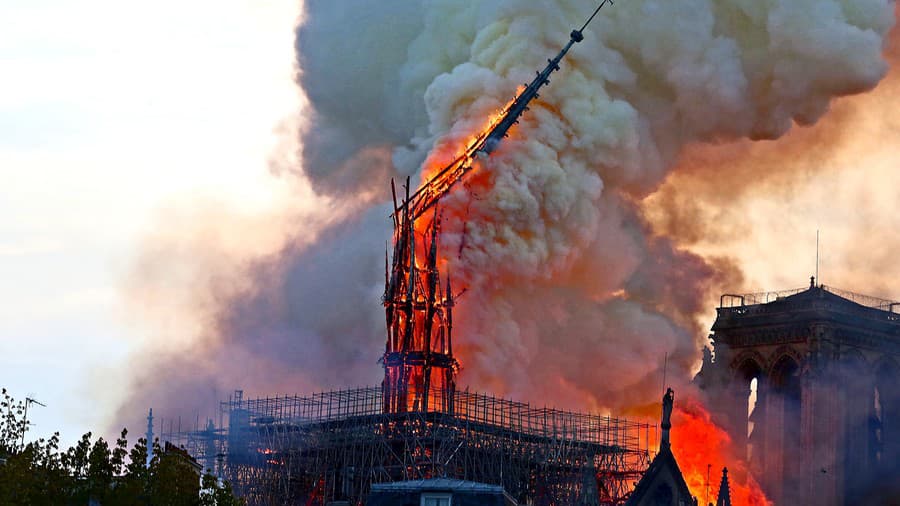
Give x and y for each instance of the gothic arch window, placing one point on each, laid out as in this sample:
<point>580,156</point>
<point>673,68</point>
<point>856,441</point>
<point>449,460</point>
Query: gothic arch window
<point>877,426</point>
<point>785,402</point>
<point>886,422</point>
<point>860,405</point>
<point>748,376</point>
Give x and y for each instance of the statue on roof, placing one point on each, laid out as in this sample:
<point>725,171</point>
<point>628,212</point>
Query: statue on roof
<point>668,402</point>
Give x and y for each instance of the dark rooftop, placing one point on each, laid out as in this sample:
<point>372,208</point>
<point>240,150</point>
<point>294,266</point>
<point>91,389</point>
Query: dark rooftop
<point>729,300</point>
<point>438,484</point>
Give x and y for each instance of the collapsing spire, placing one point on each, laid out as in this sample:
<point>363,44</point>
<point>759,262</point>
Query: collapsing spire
<point>487,141</point>
<point>419,368</point>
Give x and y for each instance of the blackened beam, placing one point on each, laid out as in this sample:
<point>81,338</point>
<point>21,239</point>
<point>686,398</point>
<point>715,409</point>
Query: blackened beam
<point>520,104</point>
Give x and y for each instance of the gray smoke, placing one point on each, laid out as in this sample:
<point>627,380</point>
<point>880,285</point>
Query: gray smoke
<point>571,298</point>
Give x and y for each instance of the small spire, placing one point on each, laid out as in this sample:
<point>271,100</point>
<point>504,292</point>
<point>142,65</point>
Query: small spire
<point>724,498</point>
<point>149,436</point>
<point>812,281</point>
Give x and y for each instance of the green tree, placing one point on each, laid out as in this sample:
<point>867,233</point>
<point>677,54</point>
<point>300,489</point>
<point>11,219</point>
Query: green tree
<point>99,477</point>
<point>39,474</point>
<point>131,488</point>
<point>173,481</point>
<point>214,493</point>
<point>117,459</point>
<point>12,427</point>
<point>34,476</point>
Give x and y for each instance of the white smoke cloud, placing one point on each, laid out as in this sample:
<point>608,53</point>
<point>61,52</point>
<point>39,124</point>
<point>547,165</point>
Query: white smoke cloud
<point>650,77</point>
<point>568,288</point>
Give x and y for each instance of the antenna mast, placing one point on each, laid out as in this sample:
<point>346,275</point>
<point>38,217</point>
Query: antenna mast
<point>665,370</point>
<point>28,401</point>
<point>819,281</point>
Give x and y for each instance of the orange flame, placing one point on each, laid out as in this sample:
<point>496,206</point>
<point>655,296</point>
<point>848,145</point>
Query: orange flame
<point>452,147</point>
<point>698,442</point>
<point>449,155</point>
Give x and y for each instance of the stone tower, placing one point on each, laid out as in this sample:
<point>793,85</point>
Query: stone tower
<point>805,382</point>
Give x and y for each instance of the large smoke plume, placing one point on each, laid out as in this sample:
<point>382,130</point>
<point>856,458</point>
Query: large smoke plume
<point>562,270</point>
<point>575,291</point>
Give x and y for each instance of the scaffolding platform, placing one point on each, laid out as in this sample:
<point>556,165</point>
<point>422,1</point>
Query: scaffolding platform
<point>332,446</point>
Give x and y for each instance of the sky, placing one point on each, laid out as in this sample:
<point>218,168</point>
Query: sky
<point>112,114</point>
<point>120,120</point>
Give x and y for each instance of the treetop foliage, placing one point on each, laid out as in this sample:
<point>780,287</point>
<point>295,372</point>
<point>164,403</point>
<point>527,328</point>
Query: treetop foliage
<point>40,473</point>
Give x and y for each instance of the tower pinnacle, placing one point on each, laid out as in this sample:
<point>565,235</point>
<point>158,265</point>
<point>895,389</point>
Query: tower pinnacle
<point>724,498</point>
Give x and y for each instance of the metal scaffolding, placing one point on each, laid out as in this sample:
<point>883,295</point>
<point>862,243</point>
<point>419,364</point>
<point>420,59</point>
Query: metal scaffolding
<point>330,447</point>
<point>333,446</point>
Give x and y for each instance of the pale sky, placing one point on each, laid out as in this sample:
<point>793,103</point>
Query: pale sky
<point>110,112</point>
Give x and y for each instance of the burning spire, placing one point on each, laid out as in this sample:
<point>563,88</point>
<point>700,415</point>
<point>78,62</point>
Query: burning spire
<point>661,77</point>
<point>484,143</point>
<point>419,367</point>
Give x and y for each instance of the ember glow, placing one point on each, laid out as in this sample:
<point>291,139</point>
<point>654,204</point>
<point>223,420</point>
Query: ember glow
<point>697,442</point>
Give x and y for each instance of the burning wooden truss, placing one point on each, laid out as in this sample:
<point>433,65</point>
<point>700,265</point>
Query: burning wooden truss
<point>332,446</point>
<point>419,368</point>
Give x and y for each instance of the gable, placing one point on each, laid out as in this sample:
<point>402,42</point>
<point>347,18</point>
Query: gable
<point>662,484</point>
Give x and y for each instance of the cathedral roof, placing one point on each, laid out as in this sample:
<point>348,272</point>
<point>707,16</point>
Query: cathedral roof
<point>662,473</point>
